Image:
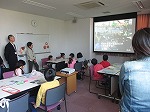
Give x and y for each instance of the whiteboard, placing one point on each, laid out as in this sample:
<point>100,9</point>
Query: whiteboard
<point>40,43</point>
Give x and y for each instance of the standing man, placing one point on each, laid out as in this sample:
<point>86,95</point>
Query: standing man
<point>10,53</point>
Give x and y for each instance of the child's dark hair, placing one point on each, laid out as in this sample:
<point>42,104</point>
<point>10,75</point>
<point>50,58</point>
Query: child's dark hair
<point>20,63</point>
<point>62,54</point>
<point>70,60</point>
<point>49,74</point>
<point>105,57</point>
<point>79,55</point>
<point>50,56</point>
<point>29,44</point>
<point>71,55</point>
<point>94,61</point>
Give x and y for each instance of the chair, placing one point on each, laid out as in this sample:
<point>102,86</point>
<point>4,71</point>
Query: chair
<point>19,104</point>
<point>53,98</point>
<point>97,85</point>
<point>60,66</point>
<point>79,68</point>
<point>44,64</point>
<point>44,60</point>
<point>8,74</point>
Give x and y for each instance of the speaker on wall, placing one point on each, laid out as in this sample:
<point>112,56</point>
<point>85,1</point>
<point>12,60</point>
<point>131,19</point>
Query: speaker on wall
<point>74,20</point>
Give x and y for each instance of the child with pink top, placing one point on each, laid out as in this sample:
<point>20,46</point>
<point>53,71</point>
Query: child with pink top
<point>71,61</point>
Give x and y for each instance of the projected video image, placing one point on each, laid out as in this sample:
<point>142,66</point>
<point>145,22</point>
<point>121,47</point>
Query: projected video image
<point>114,36</point>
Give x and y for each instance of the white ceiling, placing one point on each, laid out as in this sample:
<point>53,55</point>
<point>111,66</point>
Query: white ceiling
<point>66,9</point>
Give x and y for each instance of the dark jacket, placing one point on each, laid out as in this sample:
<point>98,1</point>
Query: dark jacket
<point>10,55</point>
<point>1,61</point>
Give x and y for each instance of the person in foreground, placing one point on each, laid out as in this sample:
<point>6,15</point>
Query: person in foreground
<point>49,75</point>
<point>19,67</point>
<point>134,78</point>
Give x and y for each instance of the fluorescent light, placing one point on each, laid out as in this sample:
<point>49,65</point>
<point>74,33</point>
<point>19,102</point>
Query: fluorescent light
<point>38,4</point>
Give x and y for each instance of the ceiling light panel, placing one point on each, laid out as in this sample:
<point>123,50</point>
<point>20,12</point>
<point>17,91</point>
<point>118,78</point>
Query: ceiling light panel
<point>38,4</point>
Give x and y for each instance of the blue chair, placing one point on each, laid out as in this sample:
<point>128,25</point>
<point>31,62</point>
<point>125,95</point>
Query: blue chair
<point>53,98</point>
<point>79,68</point>
<point>19,104</point>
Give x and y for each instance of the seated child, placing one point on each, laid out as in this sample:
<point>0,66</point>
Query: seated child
<point>49,75</point>
<point>62,56</point>
<point>49,65</point>
<point>80,57</point>
<point>97,67</point>
<point>105,63</point>
<point>71,61</point>
<point>19,68</point>
<point>50,57</point>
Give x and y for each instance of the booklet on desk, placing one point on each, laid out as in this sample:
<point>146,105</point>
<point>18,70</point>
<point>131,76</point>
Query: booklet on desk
<point>67,70</point>
<point>11,90</point>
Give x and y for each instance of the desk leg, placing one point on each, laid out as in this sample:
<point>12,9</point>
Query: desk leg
<point>114,84</point>
<point>62,80</point>
<point>71,84</point>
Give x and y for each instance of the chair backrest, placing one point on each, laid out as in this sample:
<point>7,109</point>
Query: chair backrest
<point>19,104</point>
<point>91,71</point>
<point>44,60</point>
<point>54,95</point>
<point>60,65</point>
<point>78,66</point>
<point>8,74</point>
<point>85,63</point>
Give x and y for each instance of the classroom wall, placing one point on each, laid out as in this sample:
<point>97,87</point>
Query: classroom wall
<point>78,37</point>
<point>65,36</point>
<point>83,31</point>
<point>12,22</point>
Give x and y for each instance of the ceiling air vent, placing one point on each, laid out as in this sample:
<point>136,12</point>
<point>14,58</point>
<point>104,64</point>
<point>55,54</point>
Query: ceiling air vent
<point>89,5</point>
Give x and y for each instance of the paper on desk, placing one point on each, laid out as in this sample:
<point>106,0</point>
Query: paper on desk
<point>10,90</point>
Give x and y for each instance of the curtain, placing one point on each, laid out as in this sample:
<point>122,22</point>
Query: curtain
<point>143,21</point>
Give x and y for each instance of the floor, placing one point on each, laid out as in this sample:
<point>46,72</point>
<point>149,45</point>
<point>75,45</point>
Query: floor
<point>84,101</point>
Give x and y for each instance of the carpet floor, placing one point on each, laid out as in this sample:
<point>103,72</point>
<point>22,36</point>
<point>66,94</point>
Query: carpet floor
<point>84,101</point>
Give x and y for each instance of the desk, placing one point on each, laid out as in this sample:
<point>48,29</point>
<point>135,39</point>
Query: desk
<point>71,81</point>
<point>57,61</point>
<point>112,72</point>
<point>58,64</point>
<point>22,83</point>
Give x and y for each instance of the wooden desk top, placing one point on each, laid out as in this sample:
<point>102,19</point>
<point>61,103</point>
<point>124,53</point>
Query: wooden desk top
<point>65,75</point>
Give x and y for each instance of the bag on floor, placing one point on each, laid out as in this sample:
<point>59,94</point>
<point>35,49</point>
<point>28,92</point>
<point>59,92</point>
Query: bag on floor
<point>80,75</point>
